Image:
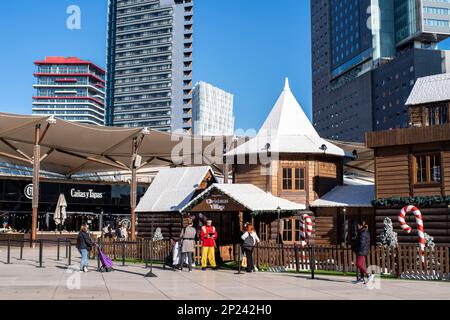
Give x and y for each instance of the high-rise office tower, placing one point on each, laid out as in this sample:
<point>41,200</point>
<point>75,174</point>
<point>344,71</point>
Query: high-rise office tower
<point>149,68</point>
<point>366,56</point>
<point>70,89</point>
<point>212,111</point>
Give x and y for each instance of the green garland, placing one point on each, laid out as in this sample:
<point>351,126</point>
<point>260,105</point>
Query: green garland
<point>421,201</point>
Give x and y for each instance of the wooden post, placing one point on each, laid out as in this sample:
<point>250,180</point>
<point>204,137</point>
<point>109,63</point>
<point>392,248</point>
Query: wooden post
<point>133,202</point>
<point>36,169</point>
<point>133,192</point>
<point>241,220</point>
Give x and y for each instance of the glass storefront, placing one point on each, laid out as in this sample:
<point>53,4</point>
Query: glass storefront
<point>95,204</point>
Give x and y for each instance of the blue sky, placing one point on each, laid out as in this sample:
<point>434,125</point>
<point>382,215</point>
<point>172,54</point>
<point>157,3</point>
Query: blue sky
<point>245,47</point>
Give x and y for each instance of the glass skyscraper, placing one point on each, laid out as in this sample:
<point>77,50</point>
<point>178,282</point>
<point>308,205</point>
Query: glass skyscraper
<point>149,69</point>
<point>366,56</point>
<point>212,111</point>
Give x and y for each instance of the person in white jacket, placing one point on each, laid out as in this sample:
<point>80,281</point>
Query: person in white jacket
<point>250,241</point>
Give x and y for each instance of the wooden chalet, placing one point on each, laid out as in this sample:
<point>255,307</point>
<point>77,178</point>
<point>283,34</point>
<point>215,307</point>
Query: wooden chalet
<point>290,160</point>
<point>169,192</point>
<point>415,162</point>
<point>231,205</point>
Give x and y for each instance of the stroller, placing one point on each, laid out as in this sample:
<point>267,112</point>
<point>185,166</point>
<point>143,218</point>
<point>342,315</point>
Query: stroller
<point>107,264</point>
<point>173,260</point>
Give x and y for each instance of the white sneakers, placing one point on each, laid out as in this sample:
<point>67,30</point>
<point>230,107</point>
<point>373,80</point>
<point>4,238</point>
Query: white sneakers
<point>85,269</point>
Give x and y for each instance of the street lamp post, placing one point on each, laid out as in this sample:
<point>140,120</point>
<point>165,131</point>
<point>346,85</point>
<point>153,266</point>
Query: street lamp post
<point>278,227</point>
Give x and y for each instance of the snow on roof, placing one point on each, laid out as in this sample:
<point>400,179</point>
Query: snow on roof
<point>430,89</point>
<point>356,180</point>
<point>347,196</point>
<point>172,189</point>
<point>249,196</point>
<point>288,130</point>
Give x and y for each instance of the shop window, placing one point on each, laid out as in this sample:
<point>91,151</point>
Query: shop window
<point>427,169</point>
<point>294,179</point>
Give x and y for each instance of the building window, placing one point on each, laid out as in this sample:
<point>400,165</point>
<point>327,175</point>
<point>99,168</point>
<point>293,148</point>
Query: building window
<point>427,169</point>
<point>263,231</point>
<point>288,231</point>
<point>293,179</point>
<point>291,230</point>
<point>437,115</point>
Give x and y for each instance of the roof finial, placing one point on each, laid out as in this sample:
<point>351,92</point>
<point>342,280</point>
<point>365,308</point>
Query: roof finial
<point>286,85</point>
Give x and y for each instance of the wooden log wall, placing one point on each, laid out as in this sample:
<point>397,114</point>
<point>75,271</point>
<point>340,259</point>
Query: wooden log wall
<point>436,223</point>
<point>170,223</point>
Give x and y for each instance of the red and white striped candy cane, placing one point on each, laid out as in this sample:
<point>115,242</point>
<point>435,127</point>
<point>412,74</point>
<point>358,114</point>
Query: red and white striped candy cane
<point>408,229</point>
<point>306,228</point>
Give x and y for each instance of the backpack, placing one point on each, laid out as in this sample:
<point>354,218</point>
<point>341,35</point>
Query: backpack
<point>249,242</point>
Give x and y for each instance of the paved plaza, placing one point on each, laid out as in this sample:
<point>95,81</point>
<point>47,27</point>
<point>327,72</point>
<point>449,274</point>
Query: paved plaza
<point>23,280</point>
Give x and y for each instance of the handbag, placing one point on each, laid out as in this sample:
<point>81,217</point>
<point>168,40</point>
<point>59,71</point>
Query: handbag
<point>244,262</point>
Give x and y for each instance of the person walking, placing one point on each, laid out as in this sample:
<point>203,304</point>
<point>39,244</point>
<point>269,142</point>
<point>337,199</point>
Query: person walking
<point>208,236</point>
<point>84,245</point>
<point>251,239</point>
<point>187,237</point>
<point>362,249</point>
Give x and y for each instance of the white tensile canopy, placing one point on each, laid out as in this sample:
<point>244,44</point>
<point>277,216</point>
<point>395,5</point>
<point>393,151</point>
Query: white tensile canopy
<point>69,148</point>
<point>287,130</point>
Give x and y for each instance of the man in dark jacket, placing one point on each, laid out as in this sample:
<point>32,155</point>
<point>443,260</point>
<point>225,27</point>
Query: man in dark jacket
<point>84,245</point>
<point>362,250</point>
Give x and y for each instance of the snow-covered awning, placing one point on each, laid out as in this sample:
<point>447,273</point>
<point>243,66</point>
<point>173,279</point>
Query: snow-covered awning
<point>250,197</point>
<point>173,188</point>
<point>351,196</point>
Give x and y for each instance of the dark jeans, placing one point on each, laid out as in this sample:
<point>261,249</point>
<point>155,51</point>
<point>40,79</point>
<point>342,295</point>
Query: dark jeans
<point>361,265</point>
<point>249,254</point>
<point>183,259</point>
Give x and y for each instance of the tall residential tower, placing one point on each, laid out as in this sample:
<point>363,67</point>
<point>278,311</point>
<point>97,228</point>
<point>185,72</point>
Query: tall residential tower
<point>70,89</point>
<point>366,56</point>
<point>212,111</point>
<point>149,68</point>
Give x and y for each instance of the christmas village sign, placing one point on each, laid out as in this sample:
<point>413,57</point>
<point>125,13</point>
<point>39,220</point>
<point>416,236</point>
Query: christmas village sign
<point>217,202</point>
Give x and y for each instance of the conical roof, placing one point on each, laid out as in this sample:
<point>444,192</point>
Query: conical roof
<point>287,129</point>
<point>287,117</point>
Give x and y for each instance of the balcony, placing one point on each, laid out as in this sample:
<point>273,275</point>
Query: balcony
<point>408,136</point>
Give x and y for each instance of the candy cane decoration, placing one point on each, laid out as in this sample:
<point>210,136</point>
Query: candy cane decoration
<point>408,229</point>
<point>306,228</point>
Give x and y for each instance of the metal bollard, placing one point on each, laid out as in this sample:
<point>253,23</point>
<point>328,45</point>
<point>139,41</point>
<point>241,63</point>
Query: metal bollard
<point>41,249</point>
<point>145,254</point>
<point>239,260</point>
<point>67,249</point>
<point>57,253</point>
<point>69,244</point>
<point>21,250</point>
<point>8,259</point>
<point>98,255</point>
<point>312,258</point>
<point>123,254</point>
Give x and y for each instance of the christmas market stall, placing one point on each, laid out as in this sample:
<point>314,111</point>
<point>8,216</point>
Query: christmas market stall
<point>229,206</point>
<point>338,212</point>
<point>169,192</point>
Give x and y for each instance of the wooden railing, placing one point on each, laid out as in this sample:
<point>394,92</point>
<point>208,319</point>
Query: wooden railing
<point>400,261</point>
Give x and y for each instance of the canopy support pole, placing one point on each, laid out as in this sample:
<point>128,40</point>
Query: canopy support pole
<point>36,169</point>
<point>133,193</point>
<point>226,168</point>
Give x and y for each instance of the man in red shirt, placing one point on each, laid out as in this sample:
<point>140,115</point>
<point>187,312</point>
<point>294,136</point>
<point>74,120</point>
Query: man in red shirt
<point>208,236</point>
